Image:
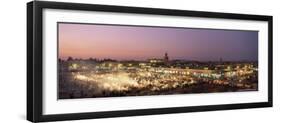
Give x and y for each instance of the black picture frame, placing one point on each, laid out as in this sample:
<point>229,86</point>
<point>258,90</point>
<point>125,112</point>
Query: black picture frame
<point>35,69</point>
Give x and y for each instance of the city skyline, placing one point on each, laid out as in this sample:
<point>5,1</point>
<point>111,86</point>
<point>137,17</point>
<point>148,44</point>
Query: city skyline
<point>141,43</point>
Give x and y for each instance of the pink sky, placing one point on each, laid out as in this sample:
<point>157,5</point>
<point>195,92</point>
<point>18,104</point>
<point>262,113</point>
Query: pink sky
<point>140,43</point>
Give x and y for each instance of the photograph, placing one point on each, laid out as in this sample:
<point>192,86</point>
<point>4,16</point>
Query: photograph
<point>88,60</point>
<point>111,60</point>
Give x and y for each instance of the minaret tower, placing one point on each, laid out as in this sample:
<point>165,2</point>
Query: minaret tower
<point>166,58</point>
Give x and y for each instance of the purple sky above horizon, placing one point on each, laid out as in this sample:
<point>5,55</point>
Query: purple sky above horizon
<point>141,43</point>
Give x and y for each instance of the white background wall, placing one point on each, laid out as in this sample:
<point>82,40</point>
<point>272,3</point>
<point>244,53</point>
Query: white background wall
<point>13,61</point>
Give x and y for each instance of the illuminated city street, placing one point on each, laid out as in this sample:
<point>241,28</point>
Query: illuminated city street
<point>90,78</point>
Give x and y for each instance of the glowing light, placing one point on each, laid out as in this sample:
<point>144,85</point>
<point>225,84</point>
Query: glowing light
<point>112,82</point>
<point>73,66</point>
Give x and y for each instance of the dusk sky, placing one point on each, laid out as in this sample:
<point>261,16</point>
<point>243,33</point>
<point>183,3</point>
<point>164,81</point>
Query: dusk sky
<point>141,43</point>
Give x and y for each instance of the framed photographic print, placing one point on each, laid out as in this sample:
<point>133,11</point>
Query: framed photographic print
<point>96,61</point>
